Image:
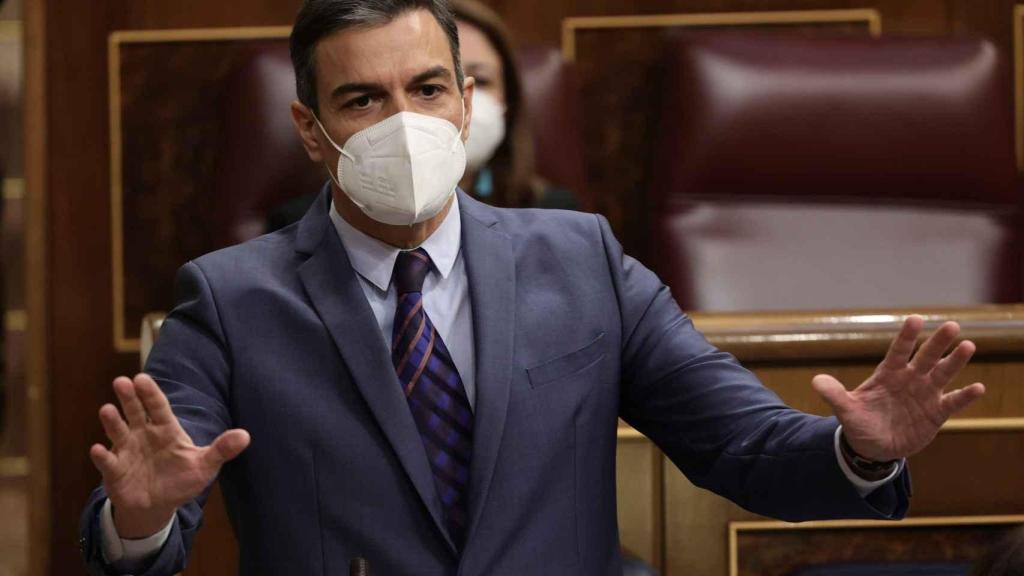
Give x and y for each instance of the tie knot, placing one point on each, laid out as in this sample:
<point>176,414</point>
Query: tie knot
<point>410,269</point>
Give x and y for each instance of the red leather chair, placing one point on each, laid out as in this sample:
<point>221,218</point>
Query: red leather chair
<point>551,93</point>
<point>823,173</point>
<point>263,164</point>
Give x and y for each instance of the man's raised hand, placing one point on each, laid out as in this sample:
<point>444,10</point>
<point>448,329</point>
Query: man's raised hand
<point>898,410</point>
<point>152,466</point>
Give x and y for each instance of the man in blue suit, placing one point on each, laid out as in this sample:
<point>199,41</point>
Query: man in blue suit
<point>412,377</point>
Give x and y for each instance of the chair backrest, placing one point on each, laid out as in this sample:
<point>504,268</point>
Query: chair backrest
<point>262,163</point>
<point>808,172</point>
<point>551,93</point>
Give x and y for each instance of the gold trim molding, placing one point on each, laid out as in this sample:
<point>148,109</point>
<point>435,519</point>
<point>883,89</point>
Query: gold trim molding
<point>15,321</point>
<point>38,417</point>
<point>10,30</point>
<point>935,521</point>
<point>14,467</point>
<point>14,188</point>
<point>627,433</point>
<point>853,334</point>
<point>199,34</point>
<point>122,343</point>
<point>1018,81</point>
<point>570,26</point>
<point>994,424</point>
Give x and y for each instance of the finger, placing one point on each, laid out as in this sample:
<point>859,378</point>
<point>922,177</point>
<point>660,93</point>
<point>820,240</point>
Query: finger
<point>832,391</point>
<point>934,347</point>
<point>104,460</point>
<point>957,400</point>
<point>903,344</point>
<point>153,399</point>
<point>134,412</point>
<point>114,426</point>
<point>950,366</point>
<point>226,447</point>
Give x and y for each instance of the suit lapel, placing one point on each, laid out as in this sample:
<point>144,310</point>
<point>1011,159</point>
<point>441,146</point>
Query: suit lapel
<point>490,265</point>
<point>334,288</point>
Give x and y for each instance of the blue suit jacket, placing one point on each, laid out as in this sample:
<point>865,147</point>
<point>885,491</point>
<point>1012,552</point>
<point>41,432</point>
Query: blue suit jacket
<point>275,336</point>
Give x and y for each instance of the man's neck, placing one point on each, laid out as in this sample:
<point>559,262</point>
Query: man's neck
<point>403,237</point>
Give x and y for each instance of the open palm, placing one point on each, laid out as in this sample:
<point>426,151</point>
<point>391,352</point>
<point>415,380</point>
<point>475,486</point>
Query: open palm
<point>898,410</point>
<point>153,466</point>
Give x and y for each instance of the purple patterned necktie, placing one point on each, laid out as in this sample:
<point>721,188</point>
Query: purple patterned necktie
<point>434,390</point>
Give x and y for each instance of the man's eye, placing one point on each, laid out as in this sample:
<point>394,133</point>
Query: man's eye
<point>361,102</point>
<point>430,90</point>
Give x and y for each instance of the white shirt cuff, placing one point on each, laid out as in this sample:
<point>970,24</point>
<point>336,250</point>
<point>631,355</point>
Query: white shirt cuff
<point>864,487</point>
<point>125,554</point>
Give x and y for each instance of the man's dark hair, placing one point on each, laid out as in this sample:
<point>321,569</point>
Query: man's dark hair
<point>320,18</point>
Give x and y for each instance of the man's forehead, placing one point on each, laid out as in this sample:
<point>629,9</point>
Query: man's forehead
<point>397,51</point>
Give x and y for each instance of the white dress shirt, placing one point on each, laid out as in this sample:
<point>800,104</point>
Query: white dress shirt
<point>445,289</point>
<point>446,301</point>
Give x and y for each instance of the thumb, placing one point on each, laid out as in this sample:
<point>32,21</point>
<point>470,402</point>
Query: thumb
<point>226,447</point>
<point>832,391</point>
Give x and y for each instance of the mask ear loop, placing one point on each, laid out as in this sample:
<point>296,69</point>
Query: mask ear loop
<point>459,138</point>
<point>331,173</point>
<point>328,136</point>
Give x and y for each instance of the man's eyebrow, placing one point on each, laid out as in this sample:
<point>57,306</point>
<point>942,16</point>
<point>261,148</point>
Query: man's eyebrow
<point>355,88</point>
<point>437,72</point>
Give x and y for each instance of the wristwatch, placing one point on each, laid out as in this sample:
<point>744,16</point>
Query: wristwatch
<point>869,467</point>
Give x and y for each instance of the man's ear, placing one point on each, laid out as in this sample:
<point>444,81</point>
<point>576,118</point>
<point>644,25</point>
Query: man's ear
<point>309,132</point>
<point>468,88</point>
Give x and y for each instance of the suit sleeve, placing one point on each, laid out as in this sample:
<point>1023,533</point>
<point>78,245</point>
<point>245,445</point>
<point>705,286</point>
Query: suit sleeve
<point>191,362</point>
<point>716,421</point>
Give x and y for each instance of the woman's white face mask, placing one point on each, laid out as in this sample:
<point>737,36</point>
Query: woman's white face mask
<point>486,130</point>
<point>403,169</point>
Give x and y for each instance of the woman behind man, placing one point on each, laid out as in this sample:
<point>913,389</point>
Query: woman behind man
<point>499,153</point>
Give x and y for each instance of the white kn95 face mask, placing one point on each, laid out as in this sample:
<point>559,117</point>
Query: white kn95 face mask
<point>486,130</point>
<point>403,169</point>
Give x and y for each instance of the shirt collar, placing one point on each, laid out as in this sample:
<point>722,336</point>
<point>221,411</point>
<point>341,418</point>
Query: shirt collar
<point>375,260</point>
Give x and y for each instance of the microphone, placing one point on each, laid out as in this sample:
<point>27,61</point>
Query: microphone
<point>359,567</point>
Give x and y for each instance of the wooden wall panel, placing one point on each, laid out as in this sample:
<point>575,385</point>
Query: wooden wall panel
<point>14,529</point>
<point>168,104</point>
<point>1018,80</point>
<point>13,442</point>
<point>72,360</point>
<point>538,21</point>
<point>639,488</point>
<point>971,453</point>
<point>12,385</point>
<point>78,304</point>
<point>961,473</point>
<point>771,549</point>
